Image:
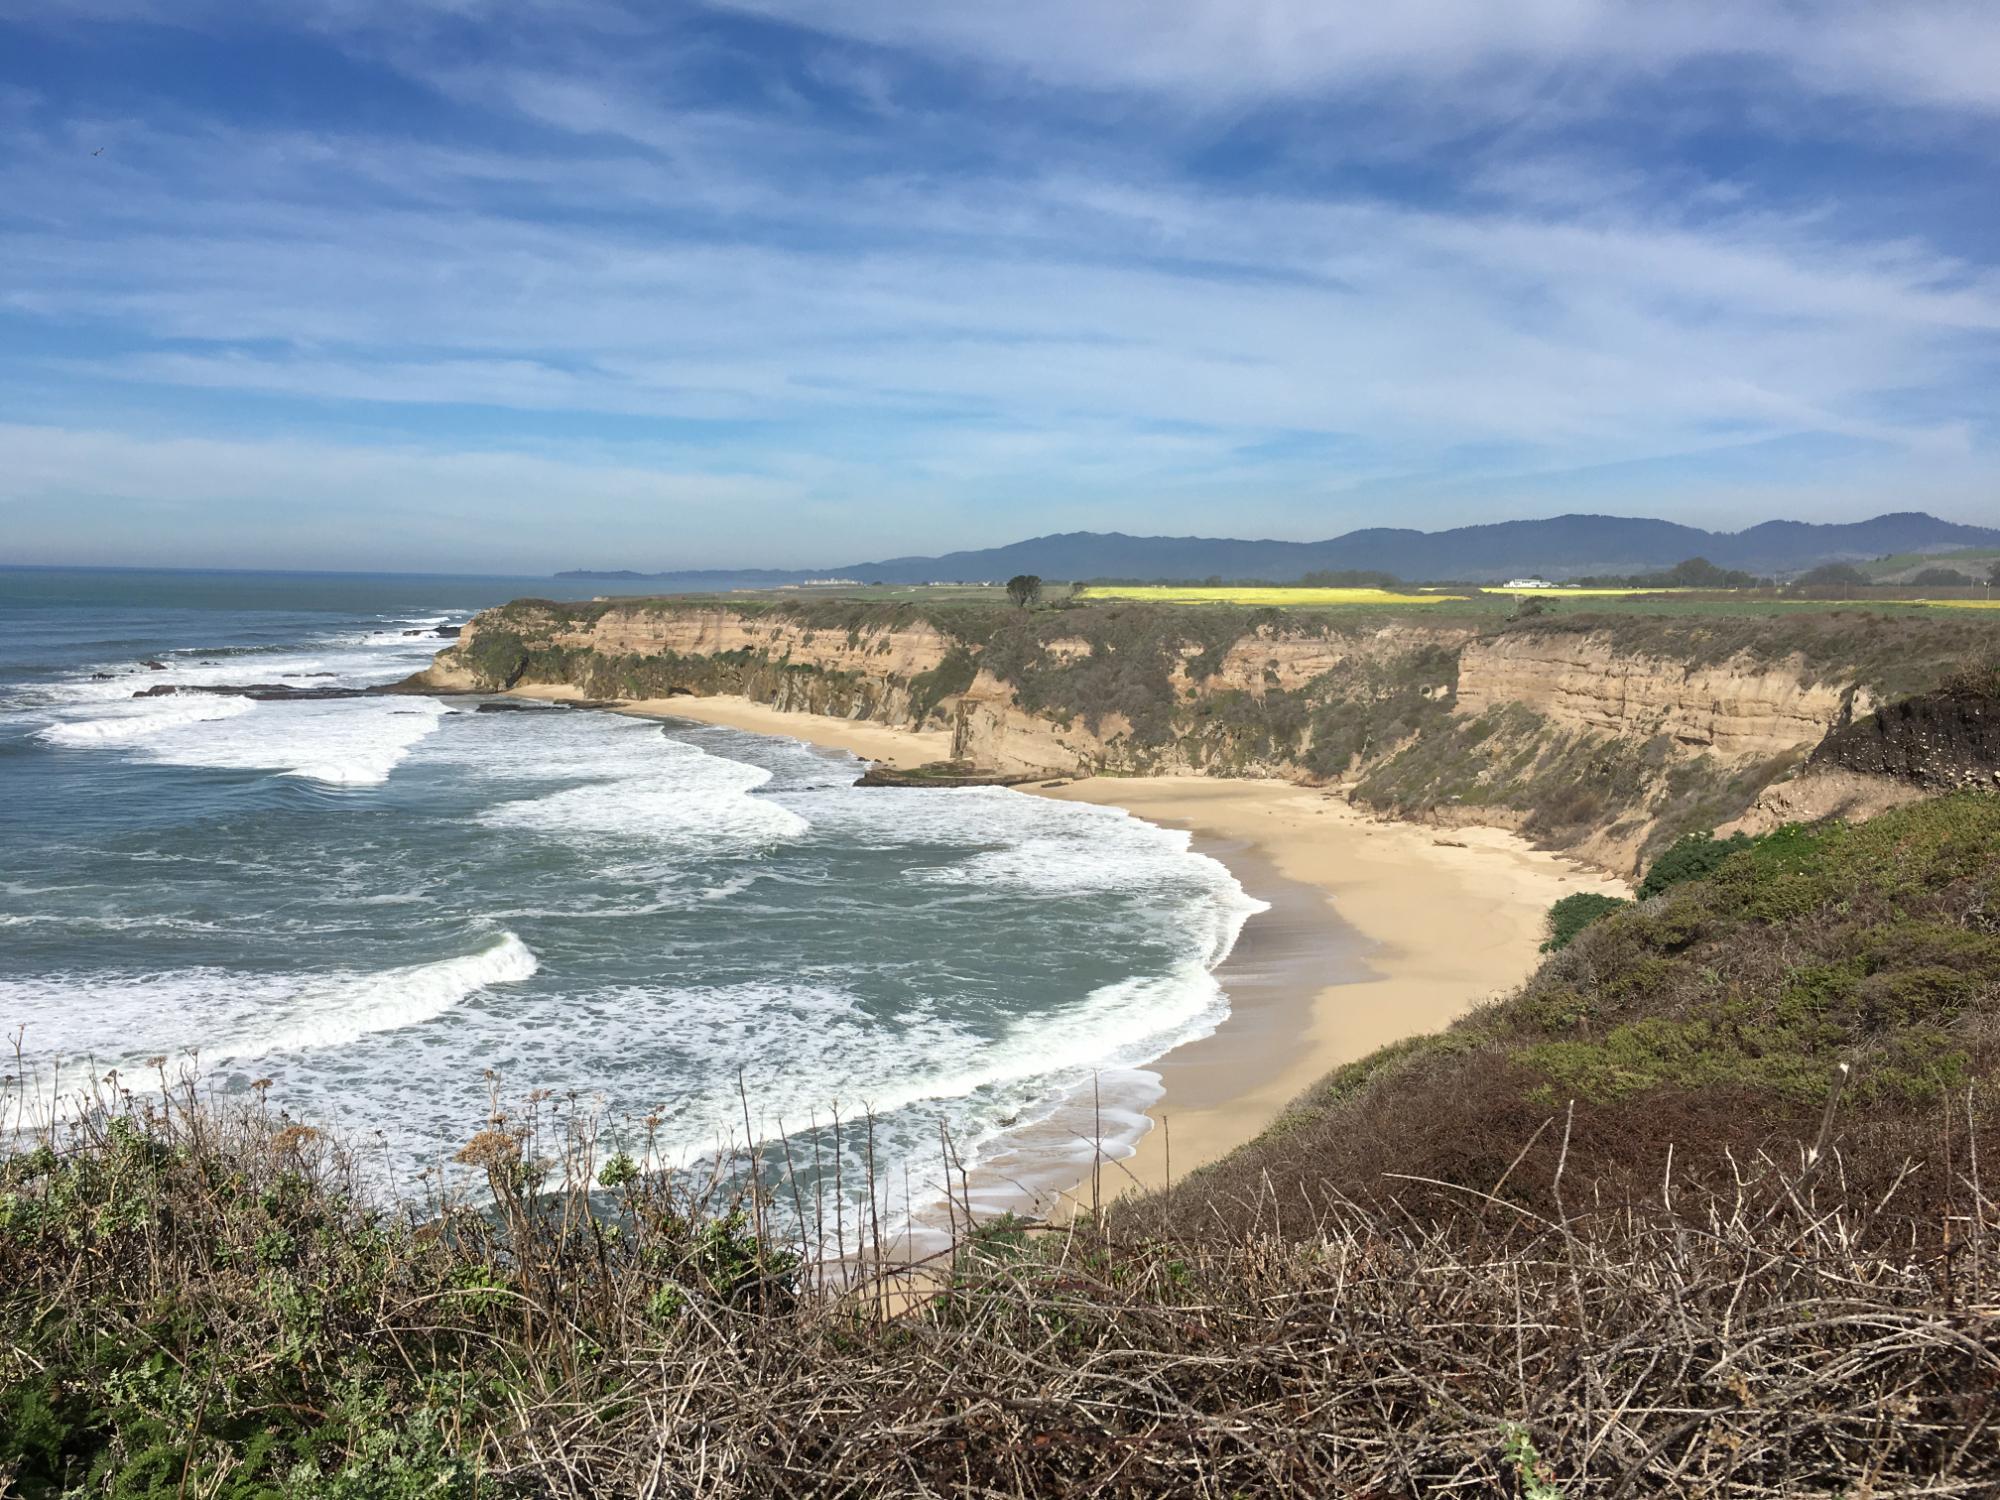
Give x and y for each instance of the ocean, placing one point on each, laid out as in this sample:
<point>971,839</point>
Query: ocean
<point>398,909</point>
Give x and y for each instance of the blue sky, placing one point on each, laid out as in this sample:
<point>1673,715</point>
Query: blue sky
<point>469,285</point>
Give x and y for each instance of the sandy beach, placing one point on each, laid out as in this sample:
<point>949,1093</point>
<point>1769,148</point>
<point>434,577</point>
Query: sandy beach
<point>1388,930</point>
<point>1376,931</point>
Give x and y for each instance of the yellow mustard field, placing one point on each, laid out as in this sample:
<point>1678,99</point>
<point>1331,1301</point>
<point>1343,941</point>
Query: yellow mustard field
<point>1569,593</point>
<point>1174,594</point>
<point>1279,595</point>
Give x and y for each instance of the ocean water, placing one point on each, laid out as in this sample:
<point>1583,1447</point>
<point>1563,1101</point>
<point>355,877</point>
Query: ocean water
<point>391,907</point>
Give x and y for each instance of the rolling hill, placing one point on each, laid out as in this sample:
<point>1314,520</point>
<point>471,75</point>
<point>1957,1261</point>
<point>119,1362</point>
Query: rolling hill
<point>1558,547</point>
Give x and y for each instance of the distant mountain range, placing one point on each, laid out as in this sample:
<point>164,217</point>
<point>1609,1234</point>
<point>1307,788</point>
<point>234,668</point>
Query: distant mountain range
<point>1560,547</point>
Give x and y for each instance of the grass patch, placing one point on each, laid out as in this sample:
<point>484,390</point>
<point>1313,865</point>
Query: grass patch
<point>1257,597</point>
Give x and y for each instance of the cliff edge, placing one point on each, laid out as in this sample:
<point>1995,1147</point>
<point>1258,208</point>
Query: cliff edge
<point>1607,736</point>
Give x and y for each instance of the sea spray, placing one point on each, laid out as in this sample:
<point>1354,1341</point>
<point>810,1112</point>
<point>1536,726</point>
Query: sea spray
<point>141,721</point>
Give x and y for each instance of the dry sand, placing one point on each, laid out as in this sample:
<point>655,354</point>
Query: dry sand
<point>1377,930</point>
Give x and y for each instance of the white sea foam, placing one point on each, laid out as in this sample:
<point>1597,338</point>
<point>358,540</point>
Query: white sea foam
<point>677,1053</point>
<point>812,1042</point>
<point>643,788</point>
<point>341,742</point>
<point>336,660</point>
<point>338,742</point>
<point>689,848</point>
<point>362,1005</point>
<point>143,720</point>
<point>812,1045</point>
<point>121,1017</point>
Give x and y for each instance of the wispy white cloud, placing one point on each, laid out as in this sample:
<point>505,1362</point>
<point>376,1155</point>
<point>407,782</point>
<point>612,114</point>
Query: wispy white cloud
<point>1925,52</point>
<point>1025,301</point>
<point>892,312</point>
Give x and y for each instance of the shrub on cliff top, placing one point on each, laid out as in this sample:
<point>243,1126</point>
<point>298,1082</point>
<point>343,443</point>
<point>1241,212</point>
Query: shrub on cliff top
<point>496,656</point>
<point>949,678</point>
<point>1691,857</point>
<point>1572,914</point>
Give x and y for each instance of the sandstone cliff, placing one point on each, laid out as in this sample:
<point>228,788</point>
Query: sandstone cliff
<point>1606,740</point>
<point>1585,683</point>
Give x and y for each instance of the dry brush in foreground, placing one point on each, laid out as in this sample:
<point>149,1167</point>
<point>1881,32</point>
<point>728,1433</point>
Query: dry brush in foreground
<point>198,1300</point>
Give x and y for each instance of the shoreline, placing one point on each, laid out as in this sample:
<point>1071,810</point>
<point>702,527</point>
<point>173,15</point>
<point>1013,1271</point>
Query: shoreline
<point>1380,893</point>
<point>1347,958</point>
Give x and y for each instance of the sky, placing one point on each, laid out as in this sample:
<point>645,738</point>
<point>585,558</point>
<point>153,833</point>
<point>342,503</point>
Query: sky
<point>471,285</point>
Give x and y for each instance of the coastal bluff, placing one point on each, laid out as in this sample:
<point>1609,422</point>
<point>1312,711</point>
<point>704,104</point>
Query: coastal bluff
<point>1603,736</point>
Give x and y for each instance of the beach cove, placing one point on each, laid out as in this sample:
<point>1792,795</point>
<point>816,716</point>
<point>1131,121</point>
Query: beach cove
<point>1345,960</point>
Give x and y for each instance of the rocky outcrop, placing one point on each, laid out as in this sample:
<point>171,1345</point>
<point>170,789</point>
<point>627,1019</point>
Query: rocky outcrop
<point>1941,742</point>
<point>262,692</point>
<point>944,773</point>
<point>1819,793</point>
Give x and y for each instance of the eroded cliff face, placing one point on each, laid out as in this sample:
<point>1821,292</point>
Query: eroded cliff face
<point>1583,682</point>
<point>901,669</point>
<point>1583,740</point>
<point>874,669</point>
<point>885,650</point>
<point>1940,742</point>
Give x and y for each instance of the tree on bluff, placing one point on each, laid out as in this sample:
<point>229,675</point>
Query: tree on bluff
<point>1832,575</point>
<point>1024,589</point>
<point>1700,573</point>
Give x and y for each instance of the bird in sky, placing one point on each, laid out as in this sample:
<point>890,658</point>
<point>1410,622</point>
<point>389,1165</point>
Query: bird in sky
<point>98,152</point>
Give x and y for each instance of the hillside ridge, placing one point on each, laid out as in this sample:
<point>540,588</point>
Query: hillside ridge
<point>1557,547</point>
